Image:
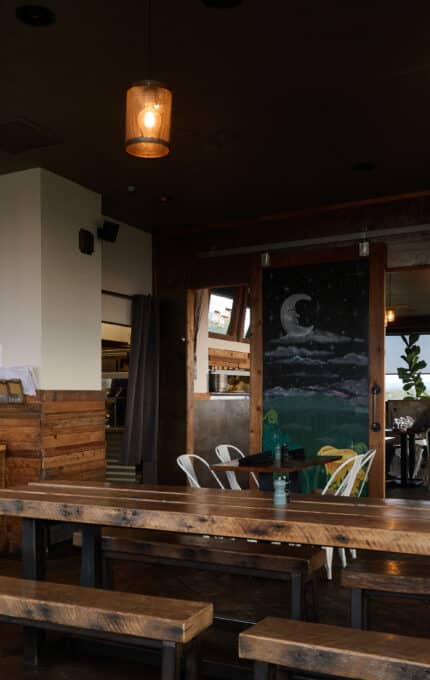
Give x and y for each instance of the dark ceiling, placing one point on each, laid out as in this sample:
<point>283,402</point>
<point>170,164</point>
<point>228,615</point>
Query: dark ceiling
<point>275,101</point>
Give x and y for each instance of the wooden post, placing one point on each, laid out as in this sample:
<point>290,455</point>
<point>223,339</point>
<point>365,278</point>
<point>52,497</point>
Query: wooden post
<point>377,366</point>
<point>256,381</point>
<point>190,323</point>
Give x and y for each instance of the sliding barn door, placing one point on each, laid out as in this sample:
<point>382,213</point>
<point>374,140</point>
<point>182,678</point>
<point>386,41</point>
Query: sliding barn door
<point>320,344</point>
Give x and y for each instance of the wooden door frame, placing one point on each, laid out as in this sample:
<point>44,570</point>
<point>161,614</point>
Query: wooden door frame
<point>377,259</point>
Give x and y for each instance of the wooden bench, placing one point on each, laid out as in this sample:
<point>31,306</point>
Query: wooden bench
<point>297,564</point>
<point>333,651</point>
<point>131,618</point>
<point>410,576</point>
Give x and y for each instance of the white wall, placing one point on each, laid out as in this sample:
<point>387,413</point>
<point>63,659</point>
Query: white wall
<point>127,269</point>
<point>71,287</point>
<point>20,269</point>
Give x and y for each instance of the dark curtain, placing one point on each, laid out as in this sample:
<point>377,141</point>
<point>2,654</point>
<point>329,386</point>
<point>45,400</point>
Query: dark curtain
<point>141,422</point>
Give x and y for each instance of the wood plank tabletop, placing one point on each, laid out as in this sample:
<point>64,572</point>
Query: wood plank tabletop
<point>294,465</point>
<point>375,524</point>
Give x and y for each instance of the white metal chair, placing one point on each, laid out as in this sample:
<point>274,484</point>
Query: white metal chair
<point>366,464</point>
<point>185,462</point>
<point>224,455</point>
<point>356,464</point>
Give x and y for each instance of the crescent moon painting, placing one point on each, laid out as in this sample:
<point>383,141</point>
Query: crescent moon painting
<point>290,319</point>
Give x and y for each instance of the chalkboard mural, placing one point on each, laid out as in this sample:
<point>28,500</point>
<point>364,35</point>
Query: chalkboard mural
<point>315,344</point>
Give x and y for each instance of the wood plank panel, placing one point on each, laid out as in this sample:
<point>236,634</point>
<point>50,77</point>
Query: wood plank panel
<point>71,395</point>
<point>73,406</point>
<point>230,500</point>
<point>381,530</point>
<point>82,457</point>
<point>341,652</point>
<point>76,438</point>
<point>392,576</point>
<point>56,433</point>
<point>145,616</point>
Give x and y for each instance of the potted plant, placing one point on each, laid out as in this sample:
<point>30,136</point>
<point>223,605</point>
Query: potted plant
<point>411,376</point>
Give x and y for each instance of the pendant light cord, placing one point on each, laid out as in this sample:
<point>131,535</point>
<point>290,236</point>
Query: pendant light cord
<point>148,39</point>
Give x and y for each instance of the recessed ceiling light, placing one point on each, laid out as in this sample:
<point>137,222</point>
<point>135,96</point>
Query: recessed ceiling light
<point>364,166</point>
<point>222,4</point>
<point>35,15</point>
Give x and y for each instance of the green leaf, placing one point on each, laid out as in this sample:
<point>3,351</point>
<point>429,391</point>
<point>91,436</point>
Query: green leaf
<point>414,338</point>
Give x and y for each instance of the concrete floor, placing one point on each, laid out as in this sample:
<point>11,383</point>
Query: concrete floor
<point>248,598</point>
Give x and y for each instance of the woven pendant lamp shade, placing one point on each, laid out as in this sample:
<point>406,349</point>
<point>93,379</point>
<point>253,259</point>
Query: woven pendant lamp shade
<point>148,118</point>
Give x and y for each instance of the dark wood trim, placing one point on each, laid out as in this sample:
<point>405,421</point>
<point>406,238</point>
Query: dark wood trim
<point>404,325</point>
<point>377,263</point>
<point>302,212</point>
<point>314,255</point>
<point>190,311</point>
<point>256,379</point>
<point>408,268</point>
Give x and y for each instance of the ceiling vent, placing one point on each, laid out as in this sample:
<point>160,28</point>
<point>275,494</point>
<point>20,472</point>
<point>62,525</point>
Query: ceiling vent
<point>20,135</point>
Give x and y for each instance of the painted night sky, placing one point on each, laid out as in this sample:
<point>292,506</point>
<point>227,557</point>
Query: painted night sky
<point>315,344</point>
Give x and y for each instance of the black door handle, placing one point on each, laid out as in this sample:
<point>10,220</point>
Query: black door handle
<point>376,427</point>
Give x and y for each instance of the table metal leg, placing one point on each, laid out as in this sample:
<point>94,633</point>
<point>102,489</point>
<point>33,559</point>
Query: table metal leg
<point>358,608</point>
<point>403,459</point>
<point>295,483</point>
<point>34,562</point>
<point>91,559</point>
<point>411,452</point>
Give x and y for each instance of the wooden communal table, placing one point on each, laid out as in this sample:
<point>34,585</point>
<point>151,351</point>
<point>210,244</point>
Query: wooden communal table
<point>293,468</point>
<point>369,524</point>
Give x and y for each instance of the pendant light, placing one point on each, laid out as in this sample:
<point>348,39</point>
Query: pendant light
<point>148,111</point>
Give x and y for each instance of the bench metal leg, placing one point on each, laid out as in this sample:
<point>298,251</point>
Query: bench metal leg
<point>261,670</point>
<point>170,661</point>
<point>91,556</point>
<point>358,608</point>
<point>296,599</point>
<point>311,609</point>
<point>34,563</point>
<point>107,573</point>
<point>192,660</point>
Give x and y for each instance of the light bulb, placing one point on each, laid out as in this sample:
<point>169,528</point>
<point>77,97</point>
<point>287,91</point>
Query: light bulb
<point>148,118</point>
<point>390,315</point>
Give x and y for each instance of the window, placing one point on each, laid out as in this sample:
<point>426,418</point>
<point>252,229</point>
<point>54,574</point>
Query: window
<point>220,309</point>
<point>393,360</point>
<point>230,313</point>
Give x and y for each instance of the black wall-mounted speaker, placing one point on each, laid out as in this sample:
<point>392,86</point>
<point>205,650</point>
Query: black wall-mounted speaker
<point>108,232</point>
<point>86,242</point>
